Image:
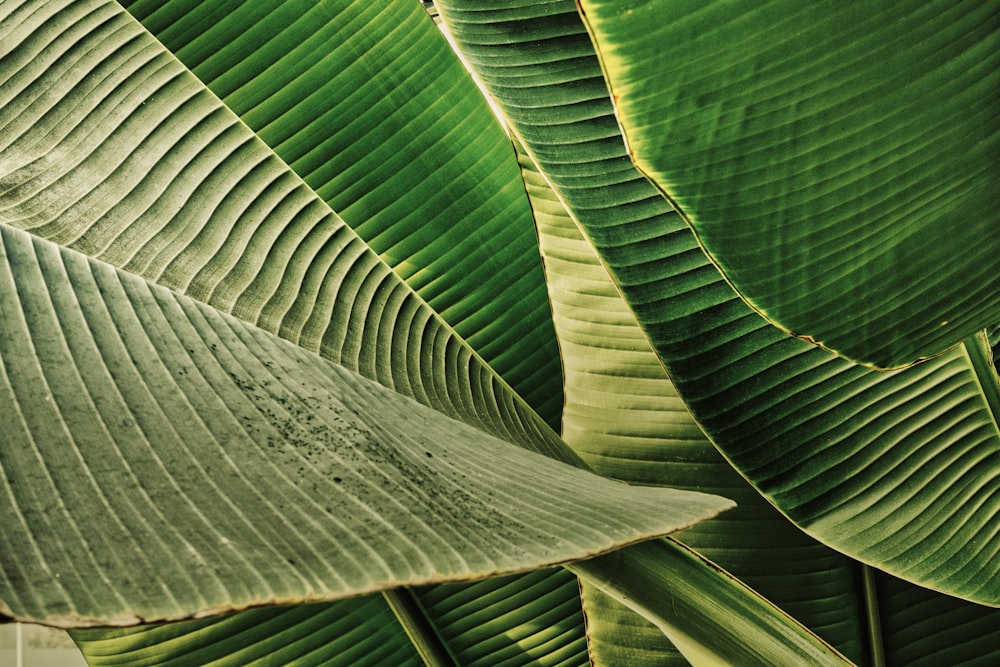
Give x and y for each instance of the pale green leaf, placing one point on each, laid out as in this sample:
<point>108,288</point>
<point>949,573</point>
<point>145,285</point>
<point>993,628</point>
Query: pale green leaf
<point>194,458</point>
<point>373,317</point>
<point>201,464</point>
<point>125,156</point>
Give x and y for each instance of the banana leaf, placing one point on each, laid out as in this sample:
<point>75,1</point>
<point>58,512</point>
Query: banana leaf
<point>464,647</point>
<point>625,419</point>
<point>157,210</point>
<point>193,450</point>
<point>898,470</point>
<point>837,161</point>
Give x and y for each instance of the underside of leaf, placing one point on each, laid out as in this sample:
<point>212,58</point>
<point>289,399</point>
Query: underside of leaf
<point>197,464</point>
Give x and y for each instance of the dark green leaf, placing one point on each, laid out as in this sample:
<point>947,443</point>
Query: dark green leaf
<point>838,161</point>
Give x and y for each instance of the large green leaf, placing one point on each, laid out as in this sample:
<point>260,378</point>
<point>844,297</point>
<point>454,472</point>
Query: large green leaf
<point>367,103</point>
<point>112,149</point>
<point>193,460</point>
<point>899,469</point>
<point>624,417</point>
<point>346,632</point>
<point>196,464</point>
<point>691,615</point>
<point>838,161</point>
<point>486,235</point>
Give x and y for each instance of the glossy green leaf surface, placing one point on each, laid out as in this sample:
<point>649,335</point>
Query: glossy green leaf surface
<point>899,470</point>
<point>837,161</point>
<point>755,633</point>
<point>346,632</point>
<point>624,417</point>
<point>532,618</point>
<point>529,619</point>
<point>366,102</point>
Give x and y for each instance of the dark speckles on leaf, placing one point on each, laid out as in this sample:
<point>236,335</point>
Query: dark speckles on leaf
<point>243,384</point>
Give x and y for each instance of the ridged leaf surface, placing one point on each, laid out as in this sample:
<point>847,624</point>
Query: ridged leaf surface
<point>838,162</point>
<point>346,632</point>
<point>900,470</point>
<point>369,106</point>
<point>624,417</point>
<point>198,461</point>
<point>112,149</point>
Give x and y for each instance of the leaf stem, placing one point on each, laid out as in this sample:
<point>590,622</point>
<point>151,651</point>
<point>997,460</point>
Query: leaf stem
<point>419,628</point>
<point>873,619</point>
<point>977,348</point>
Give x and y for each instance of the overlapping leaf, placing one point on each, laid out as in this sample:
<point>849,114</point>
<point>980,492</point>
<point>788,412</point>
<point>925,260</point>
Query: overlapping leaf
<point>112,149</point>
<point>371,108</point>
<point>195,464</point>
<point>900,469</point>
<point>839,163</point>
<point>346,632</point>
<point>755,632</point>
<point>528,619</point>
<point>626,420</point>
<point>195,461</point>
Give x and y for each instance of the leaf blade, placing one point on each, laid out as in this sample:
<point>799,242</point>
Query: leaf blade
<point>761,636</point>
<point>370,107</point>
<point>217,216</point>
<point>311,471</point>
<point>826,158</point>
<point>625,418</point>
<point>769,401</point>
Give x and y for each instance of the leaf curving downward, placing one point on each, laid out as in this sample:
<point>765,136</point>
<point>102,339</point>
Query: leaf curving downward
<point>111,148</point>
<point>196,464</point>
<point>624,417</point>
<point>368,104</point>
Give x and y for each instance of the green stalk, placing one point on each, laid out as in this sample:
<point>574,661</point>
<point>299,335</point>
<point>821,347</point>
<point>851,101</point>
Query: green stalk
<point>872,616</point>
<point>977,349</point>
<point>752,632</point>
<point>419,628</point>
